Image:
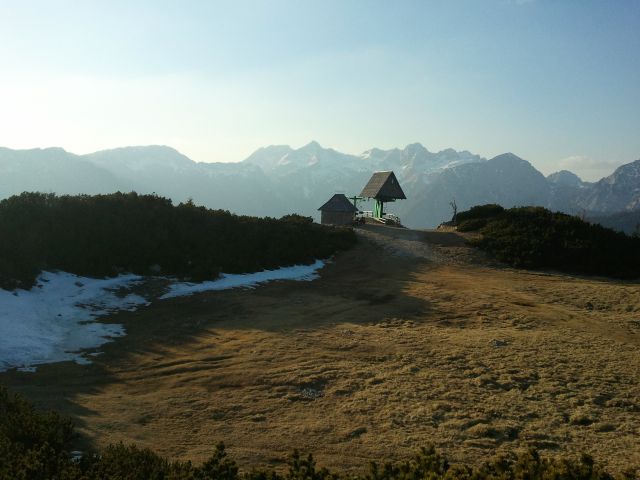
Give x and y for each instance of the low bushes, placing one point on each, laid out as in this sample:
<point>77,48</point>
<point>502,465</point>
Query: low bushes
<point>534,237</point>
<point>37,446</point>
<point>103,235</point>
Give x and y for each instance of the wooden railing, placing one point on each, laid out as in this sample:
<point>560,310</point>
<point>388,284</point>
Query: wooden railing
<point>386,218</point>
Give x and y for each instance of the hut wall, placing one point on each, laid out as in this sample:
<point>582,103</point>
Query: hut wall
<point>336,218</point>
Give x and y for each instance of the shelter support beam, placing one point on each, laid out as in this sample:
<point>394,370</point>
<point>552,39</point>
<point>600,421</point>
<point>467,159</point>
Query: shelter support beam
<point>378,209</point>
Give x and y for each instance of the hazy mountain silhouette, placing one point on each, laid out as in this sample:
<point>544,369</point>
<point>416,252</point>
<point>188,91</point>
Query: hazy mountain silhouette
<point>278,179</point>
<point>54,170</point>
<point>565,178</point>
<point>619,192</point>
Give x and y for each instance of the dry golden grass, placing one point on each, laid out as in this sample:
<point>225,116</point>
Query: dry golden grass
<point>385,353</point>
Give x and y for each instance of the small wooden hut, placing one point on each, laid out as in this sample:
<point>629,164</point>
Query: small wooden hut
<point>338,211</point>
<point>383,187</point>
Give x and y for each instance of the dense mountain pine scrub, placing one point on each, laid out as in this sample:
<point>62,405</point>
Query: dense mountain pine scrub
<point>534,237</point>
<point>37,446</point>
<point>103,235</point>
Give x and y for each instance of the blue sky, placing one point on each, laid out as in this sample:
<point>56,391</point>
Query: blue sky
<point>556,82</point>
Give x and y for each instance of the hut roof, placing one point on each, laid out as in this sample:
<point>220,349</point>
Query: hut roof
<point>338,203</point>
<point>383,185</point>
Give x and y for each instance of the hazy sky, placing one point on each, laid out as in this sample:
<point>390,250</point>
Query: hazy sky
<point>556,82</point>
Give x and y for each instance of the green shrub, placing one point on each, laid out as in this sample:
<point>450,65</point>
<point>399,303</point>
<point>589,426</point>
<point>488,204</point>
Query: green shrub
<point>103,235</point>
<point>32,445</point>
<point>128,462</point>
<point>534,237</point>
<point>487,211</point>
<point>36,446</point>
<point>477,217</point>
<point>472,224</point>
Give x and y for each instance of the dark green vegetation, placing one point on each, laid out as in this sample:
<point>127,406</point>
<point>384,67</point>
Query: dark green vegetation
<point>627,222</point>
<point>534,237</point>
<point>103,235</point>
<point>36,446</point>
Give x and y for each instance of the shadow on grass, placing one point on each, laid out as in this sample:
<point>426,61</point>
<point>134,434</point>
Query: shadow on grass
<point>362,286</point>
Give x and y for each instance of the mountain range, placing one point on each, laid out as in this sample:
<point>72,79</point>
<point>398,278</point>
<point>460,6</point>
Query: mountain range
<point>278,180</point>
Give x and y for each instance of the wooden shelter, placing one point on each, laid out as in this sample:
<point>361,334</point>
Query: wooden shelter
<point>383,187</point>
<point>338,211</point>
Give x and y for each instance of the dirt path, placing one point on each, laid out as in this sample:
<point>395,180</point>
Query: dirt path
<point>407,340</point>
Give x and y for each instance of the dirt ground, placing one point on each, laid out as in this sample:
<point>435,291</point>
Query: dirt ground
<point>410,339</point>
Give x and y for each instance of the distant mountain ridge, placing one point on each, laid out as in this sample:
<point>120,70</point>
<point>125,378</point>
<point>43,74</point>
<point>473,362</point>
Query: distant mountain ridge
<point>278,179</point>
<point>618,192</point>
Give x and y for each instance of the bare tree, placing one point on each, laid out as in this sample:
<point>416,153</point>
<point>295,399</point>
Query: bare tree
<point>454,209</point>
<point>583,214</point>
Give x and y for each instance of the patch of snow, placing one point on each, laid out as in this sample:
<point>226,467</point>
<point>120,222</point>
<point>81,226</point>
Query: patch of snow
<point>246,280</point>
<point>284,160</point>
<point>54,320</point>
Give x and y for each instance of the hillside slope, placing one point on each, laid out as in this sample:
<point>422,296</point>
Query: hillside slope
<point>424,345</point>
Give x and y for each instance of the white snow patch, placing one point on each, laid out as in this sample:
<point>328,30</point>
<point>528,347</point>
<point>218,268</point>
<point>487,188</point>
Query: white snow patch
<point>246,280</point>
<point>53,321</point>
<point>284,160</point>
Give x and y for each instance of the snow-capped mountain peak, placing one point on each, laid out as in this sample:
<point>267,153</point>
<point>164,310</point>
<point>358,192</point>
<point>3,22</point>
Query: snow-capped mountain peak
<point>278,179</point>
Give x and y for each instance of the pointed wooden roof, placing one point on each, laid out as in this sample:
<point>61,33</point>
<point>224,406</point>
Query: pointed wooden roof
<point>338,203</point>
<point>383,186</point>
